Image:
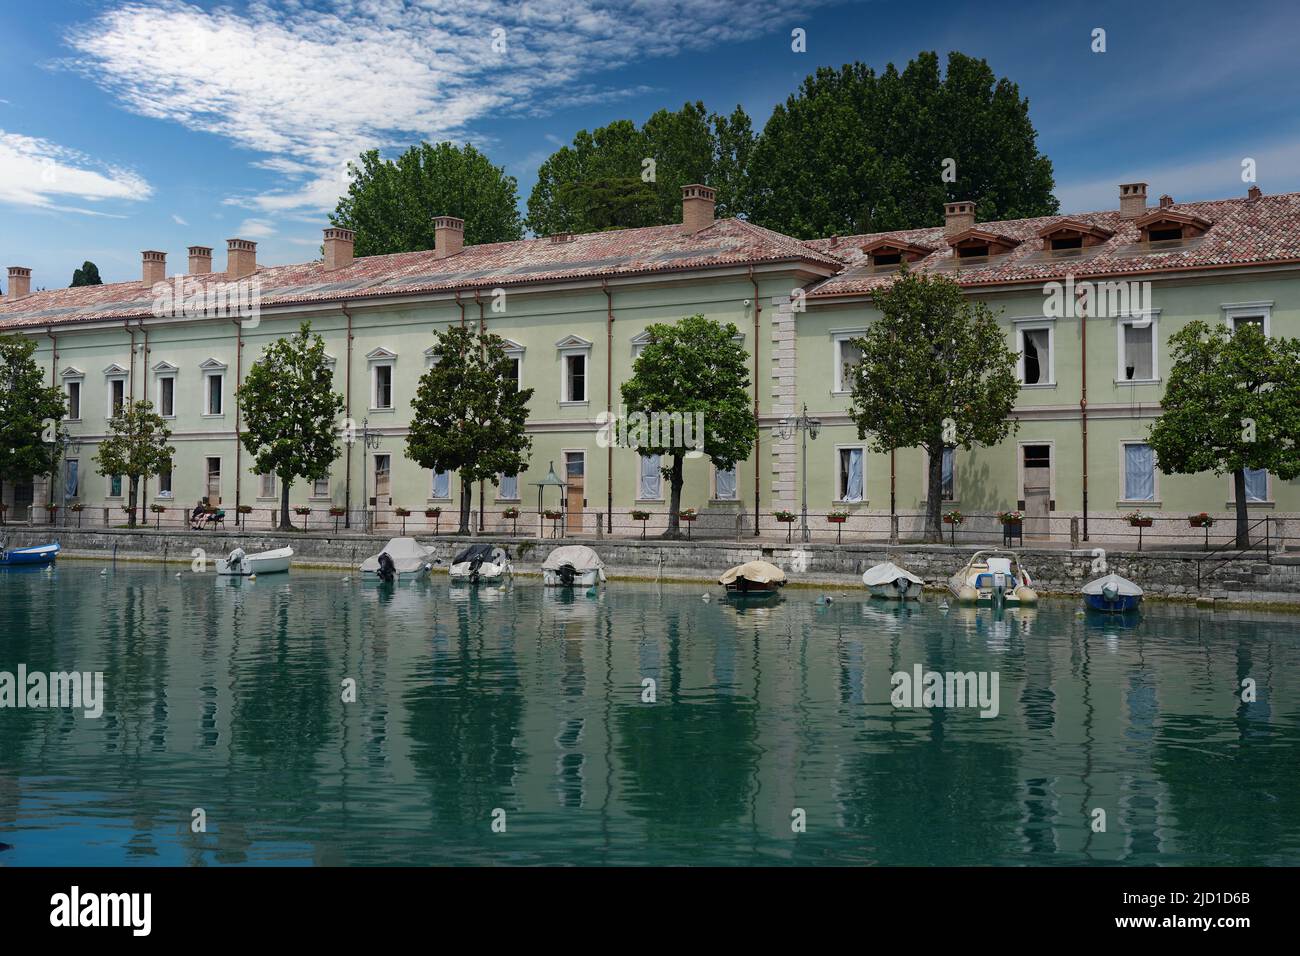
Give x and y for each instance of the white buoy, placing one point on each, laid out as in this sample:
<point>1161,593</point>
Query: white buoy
<point>103,572</point>
<point>704,598</point>
<point>178,574</point>
<point>252,577</point>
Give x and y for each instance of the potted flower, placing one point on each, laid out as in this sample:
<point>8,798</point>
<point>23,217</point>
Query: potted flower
<point>513,514</point>
<point>402,513</point>
<point>241,515</point>
<point>304,511</point>
<point>436,515</point>
<point>76,507</point>
<point>687,514</point>
<point>1201,520</point>
<point>785,516</point>
<point>837,517</point>
<point>953,517</point>
<point>642,516</point>
<point>51,510</point>
<point>158,510</point>
<point>1137,519</point>
<point>553,514</point>
<point>1011,517</point>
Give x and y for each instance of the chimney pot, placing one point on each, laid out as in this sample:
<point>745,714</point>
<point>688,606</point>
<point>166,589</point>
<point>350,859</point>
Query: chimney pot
<point>1166,201</point>
<point>1254,192</point>
<point>958,217</point>
<point>1132,200</point>
<point>200,260</point>
<point>241,258</point>
<point>448,236</point>
<point>20,282</point>
<point>339,247</point>
<point>155,266</point>
<point>698,203</point>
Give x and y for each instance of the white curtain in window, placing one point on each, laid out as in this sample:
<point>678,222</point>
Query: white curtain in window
<point>1139,473</point>
<point>650,478</point>
<point>509,486</point>
<point>851,472</point>
<point>725,483</point>
<point>442,484</point>
<point>949,457</point>
<point>1256,484</point>
<point>71,490</point>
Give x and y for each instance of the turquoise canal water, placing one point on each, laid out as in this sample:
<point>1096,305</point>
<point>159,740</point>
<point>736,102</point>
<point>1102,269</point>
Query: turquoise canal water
<point>226,696</point>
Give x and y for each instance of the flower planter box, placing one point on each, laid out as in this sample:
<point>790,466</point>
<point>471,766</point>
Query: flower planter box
<point>1197,521</point>
<point>1140,522</point>
<point>836,519</point>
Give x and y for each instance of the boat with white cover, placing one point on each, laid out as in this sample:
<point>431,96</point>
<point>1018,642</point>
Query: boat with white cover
<point>240,564</point>
<point>574,565</point>
<point>480,563</point>
<point>1112,594</point>
<point>888,580</point>
<point>403,558</point>
<point>993,577</point>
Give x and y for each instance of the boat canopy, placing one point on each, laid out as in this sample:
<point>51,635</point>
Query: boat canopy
<point>1123,586</point>
<point>577,556</point>
<point>483,553</point>
<point>755,572</point>
<point>407,554</point>
<point>887,573</point>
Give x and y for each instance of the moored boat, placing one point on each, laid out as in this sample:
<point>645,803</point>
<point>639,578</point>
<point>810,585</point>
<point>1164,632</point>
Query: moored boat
<point>888,580</point>
<point>993,577</point>
<point>573,565</point>
<point>1112,594</point>
<point>754,576</point>
<point>35,555</point>
<point>401,558</point>
<point>261,562</point>
<point>480,563</point>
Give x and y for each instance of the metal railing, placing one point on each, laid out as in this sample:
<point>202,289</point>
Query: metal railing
<point>1266,521</point>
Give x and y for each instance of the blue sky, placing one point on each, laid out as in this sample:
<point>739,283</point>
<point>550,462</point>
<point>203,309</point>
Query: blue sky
<point>160,124</point>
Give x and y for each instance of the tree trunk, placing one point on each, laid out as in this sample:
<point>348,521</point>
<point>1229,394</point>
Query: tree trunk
<point>1243,515</point>
<point>466,503</point>
<point>934,497</point>
<point>480,507</point>
<point>131,500</point>
<point>675,499</point>
<point>285,523</point>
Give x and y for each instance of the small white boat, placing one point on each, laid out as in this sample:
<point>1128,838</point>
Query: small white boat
<point>754,576</point>
<point>480,564</point>
<point>993,577</point>
<point>573,565</point>
<point>401,558</point>
<point>263,562</point>
<point>888,580</point>
<point>1112,594</point>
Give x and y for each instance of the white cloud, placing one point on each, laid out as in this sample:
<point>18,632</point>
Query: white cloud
<point>312,84</point>
<point>35,172</point>
<point>256,229</point>
<point>178,220</point>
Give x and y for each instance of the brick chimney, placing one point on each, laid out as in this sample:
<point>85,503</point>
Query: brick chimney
<point>20,282</point>
<point>241,258</point>
<point>697,207</point>
<point>958,217</point>
<point>1132,200</point>
<point>448,236</point>
<point>339,246</point>
<point>1254,192</point>
<point>155,267</point>
<point>200,260</point>
<point>1166,201</point>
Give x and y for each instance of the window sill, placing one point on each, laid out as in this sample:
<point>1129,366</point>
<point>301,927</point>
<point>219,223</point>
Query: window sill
<point>438,501</point>
<point>1149,503</point>
<point>213,415</point>
<point>1038,385</point>
<point>723,501</point>
<point>383,408</point>
<point>508,501</point>
<point>852,504</point>
<point>1138,381</point>
<point>72,421</point>
<point>1264,505</point>
<point>570,404</point>
<point>648,501</point>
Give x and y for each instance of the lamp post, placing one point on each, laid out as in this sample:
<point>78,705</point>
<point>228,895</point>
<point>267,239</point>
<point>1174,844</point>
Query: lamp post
<point>807,427</point>
<point>368,441</point>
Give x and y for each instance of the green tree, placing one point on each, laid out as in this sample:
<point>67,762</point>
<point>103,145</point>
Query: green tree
<point>290,410</point>
<point>935,373</point>
<point>136,448</point>
<point>603,181</point>
<point>1232,404</point>
<point>88,274</point>
<point>30,412</point>
<point>691,368</point>
<point>391,204</point>
<point>855,152</point>
<point>469,414</point>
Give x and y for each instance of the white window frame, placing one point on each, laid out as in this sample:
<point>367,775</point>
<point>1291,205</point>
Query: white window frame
<point>713,479</point>
<point>501,477</point>
<point>112,374</point>
<point>433,476</point>
<point>121,487</point>
<point>860,446</point>
<point>316,493</point>
<point>1123,501</point>
<point>639,458</point>
<point>74,376</point>
<point>1020,466</point>
<point>171,479</point>
<point>516,351</point>
<point>838,338</point>
<point>383,358</point>
<point>567,347</point>
<point>1137,318</point>
<point>1269,491</point>
<point>925,478</point>
<point>432,356</point>
<point>1032,325</point>
<point>211,369</point>
<point>162,372</point>
<point>1232,311</point>
<point>261,487</point>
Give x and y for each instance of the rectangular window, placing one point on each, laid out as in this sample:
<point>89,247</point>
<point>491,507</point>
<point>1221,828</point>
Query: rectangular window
<point>724,484</point>
<point>383,386</point>
<point>1036,356</point>
<point>1139,472</point>
<point>441,485</point>
<point>214,394</point>
<point>72,487</point>
<point>1138,359</point>
<point>266,486</point>
<point>115,486</point>
<point>847,358</point>
<point>116,396</point>
<point>167,397</point>
<point>509,487</point>
<point>320,488</point>
<point>948,474</point>
<point>515,371</point>
<point>575,378</point>
<point>650,487</point>
<point>165,483</point>
<point>213,484</point>
<point>74,401</point>
<point>1256,484</point>
<point>850,467</point>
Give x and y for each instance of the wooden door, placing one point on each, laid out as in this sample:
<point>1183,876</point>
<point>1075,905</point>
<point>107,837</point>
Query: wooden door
<point>575,475</point>
<point>1038,490</point>
<point>214,482</point>
<point>383,489</point>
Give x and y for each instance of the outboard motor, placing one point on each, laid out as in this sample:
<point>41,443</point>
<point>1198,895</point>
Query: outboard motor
<point>387,570</point>
<point>235,560</point>
<point>999,586</point>
<point>1110,591</point>
<point>475,563</point>
<point>902,586</point>
<point>566,574</point>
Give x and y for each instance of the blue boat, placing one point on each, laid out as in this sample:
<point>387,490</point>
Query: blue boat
<point>1112,595</point>
<point>25,557</point>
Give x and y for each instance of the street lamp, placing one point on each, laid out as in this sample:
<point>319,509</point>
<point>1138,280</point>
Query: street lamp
<point>807,427</point>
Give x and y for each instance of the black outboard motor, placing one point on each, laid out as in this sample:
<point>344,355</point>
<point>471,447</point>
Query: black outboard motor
<point>387,570</point>
<point>567,574</point>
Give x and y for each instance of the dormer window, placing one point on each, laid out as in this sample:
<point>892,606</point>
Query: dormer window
<point>887,259</point>
<point>1072,236</point>
<point>890,253</point>
<point>1162,235</point>
<point>1058,243</point>
<point>1167,225</point>
<point>973,251</point>
<point>978,244</point>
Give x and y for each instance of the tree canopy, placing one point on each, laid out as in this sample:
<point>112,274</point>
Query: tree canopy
<point>854,151</point>
<point>290,412</point>
<point>136,448</point>
<point>391,204</point>
<point>622,175</point>
<point>1232,404</point>
<point>88,274</point>
<point>30,413</point>
<point>694,367</point>
<point>935,373</point>
<point>469,413</point>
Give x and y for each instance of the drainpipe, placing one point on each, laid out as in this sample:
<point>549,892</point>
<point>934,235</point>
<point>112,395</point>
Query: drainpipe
<point>609,403</point>
<point>54,364</point>
<point>462,309</point>
<point>131,376</point>
<point>758,437</point>
<point>144,388</point>
<point>1083,411</point>
<point>347,413</point>
<point>482,350</point>
<point>239,374</point>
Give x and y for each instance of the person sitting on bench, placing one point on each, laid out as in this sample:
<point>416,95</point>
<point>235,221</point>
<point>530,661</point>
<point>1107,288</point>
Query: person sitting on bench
<point>199,515</point>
